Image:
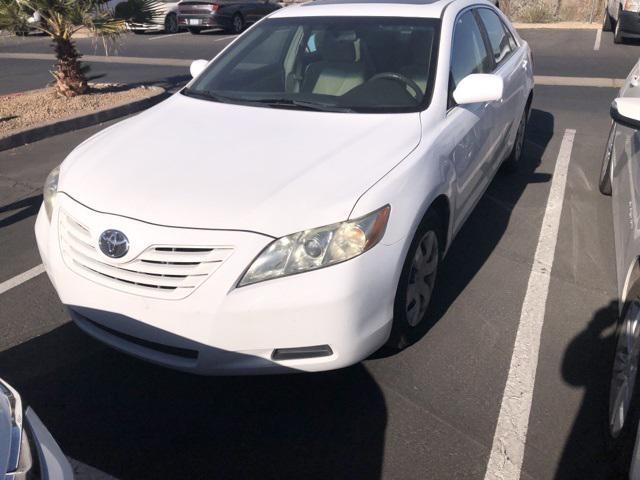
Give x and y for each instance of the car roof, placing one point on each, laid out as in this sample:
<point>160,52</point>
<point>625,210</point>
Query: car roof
<point>372,8</point>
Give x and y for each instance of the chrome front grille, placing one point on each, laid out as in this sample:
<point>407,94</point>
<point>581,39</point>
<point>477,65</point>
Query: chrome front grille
<point>160,271</point>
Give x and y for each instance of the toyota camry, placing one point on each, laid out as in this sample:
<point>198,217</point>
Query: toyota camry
<point>288,209</point>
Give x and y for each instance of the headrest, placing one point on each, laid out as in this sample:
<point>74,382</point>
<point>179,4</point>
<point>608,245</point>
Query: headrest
<point>339,47</point>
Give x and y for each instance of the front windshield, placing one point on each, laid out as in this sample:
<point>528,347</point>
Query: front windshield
<point>361,64</point>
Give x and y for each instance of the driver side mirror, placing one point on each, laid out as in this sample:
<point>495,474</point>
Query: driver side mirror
<point>626,112</point>
<point>197,66</point>
<point>479,88</point>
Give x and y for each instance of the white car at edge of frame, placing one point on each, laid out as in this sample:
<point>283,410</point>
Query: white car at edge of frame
<point>287,210</point>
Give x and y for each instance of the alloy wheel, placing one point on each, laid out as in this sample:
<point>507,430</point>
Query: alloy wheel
<point>237,24</point>
<point>422,277</point>
<point>625,368</point>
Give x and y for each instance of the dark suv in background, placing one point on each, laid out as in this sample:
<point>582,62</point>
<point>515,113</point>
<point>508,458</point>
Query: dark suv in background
<point>233,16</point>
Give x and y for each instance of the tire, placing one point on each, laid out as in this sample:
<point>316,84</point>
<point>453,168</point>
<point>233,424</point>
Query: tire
<point>413,295</point>
<point>604,182</point>
<point>195,30</point>
<point>22,33</point>
<point>607,23</point>
<point>138,32</point>
<point>237,24</point>
<point>622,425</point>
<point>617,32</point>
<point>513,160</point>
<point>171,24</point>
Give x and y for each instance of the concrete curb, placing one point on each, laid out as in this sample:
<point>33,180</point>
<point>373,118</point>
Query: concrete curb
<point>557,26</point>
<point>46,130</point>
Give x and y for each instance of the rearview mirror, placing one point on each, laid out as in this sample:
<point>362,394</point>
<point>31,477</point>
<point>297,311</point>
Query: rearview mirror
<point>479,88</point>
<point>197,66</point>
<point>626,112</point>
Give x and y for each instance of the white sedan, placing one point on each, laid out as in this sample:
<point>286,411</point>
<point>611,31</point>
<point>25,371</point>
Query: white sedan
<point>289,208</point>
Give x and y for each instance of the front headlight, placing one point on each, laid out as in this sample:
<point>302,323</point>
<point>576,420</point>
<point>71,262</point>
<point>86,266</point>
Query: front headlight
<point>318,247</point>
<point>632,5</point>
<point>50,191</point>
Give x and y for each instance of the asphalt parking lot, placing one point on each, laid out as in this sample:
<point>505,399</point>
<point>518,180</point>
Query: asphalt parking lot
<point>428,412</point>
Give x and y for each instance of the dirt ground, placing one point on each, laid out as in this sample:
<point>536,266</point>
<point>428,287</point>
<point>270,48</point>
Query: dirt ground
<point>29,109</point>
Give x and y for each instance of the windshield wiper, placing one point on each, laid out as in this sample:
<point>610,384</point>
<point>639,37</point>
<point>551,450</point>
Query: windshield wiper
<point>270,102</point>
<point>287,102</point>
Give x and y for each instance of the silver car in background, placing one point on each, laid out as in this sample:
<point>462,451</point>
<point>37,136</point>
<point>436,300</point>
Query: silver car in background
<point>620,178</point>
<point>27,449</point>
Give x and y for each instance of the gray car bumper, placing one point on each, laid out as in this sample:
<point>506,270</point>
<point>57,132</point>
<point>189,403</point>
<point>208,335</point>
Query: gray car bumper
<point>51,462</point>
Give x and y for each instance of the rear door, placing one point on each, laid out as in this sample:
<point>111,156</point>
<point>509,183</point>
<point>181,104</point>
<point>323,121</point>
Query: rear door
<point>511,62</point>
<point>469,126</point>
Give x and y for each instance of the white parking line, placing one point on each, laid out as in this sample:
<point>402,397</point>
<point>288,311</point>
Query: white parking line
<point>596,46</point>
<point>20,279</point>
<point>159,37</point>
<point>222,39</point>
<point>509,440</point>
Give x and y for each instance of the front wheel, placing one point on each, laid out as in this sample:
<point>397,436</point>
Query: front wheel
<point>617,32</point>
<point>623,396</point>
<point>417,281</point>
<point>604,183</point>
<point>237,24</point>
<point>513,160</point>
<point>171,24</point>
<point>607,24</point>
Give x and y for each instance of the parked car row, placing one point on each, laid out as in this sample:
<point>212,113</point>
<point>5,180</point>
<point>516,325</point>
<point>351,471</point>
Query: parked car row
<point>170,16</point>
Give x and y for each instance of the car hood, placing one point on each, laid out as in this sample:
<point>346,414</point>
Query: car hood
<point>199,164</point>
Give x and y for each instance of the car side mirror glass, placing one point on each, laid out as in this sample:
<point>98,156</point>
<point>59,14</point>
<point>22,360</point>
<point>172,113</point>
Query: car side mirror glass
<point>479,88</point>
<point>197,66</point>
<point>626,112</point>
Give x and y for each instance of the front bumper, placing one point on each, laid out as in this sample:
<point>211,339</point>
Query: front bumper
<point>220,329</point>
<point>629,23</point>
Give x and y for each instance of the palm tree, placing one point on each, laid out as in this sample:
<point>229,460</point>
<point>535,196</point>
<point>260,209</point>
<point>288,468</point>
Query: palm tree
<point>60,19</point>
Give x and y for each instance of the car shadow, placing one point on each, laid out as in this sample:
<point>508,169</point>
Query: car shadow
<point>587,365</point>
<point>23,209</point>
<point>133,420</point>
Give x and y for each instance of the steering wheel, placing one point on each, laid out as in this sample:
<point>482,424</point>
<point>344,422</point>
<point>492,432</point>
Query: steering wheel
<point>402,79</point>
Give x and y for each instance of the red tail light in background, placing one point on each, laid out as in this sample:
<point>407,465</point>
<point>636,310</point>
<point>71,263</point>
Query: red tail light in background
<point>215,7</point>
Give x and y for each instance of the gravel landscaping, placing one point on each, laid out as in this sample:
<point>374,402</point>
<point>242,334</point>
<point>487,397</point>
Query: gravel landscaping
<point>24,110</point>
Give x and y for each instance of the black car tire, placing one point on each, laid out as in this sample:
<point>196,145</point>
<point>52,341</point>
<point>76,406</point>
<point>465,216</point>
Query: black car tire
<point>237,24</point>
<point>617,32</point>
<point>622,445</point>
<point>604,182</point>
<point>607,23</point>
<point>171,24</point>
<point>403,331</point>
<point>510,165</point>
<point>195,30</point>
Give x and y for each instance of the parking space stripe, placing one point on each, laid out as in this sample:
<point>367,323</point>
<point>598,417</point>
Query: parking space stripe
<point>558,81</point>
<point>160,37</point>
<point>507,452</point>
<point>20,279</point>
<point>596,46</point>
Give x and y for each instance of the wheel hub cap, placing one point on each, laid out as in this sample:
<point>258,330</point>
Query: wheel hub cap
<point>625,367</point>
<point>422,278</point>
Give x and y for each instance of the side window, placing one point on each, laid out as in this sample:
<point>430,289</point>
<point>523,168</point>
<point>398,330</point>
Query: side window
<point>501,41</point>
<point>469,54</point>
